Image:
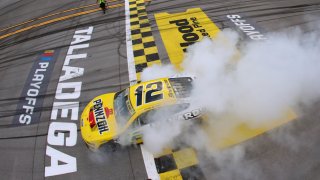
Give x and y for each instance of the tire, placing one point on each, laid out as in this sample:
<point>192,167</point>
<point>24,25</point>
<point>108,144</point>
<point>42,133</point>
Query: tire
<point>109,147</point>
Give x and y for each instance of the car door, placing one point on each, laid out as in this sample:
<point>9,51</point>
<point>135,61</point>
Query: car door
<point>139,125</point>
<point>146,119</point>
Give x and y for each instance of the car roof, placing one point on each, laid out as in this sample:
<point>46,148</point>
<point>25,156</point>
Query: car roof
<point>159,92</point>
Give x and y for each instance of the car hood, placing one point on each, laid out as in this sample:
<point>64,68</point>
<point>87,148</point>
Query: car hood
<point>98,119</point>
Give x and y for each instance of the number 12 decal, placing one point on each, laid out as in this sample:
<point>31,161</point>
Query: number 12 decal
<point>152,94</point>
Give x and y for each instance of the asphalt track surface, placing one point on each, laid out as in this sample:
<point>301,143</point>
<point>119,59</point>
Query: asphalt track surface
<point>23,148</point>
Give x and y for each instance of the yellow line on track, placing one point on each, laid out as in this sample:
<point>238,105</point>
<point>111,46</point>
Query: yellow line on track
<point>68,10</point>
<point>57,19</point>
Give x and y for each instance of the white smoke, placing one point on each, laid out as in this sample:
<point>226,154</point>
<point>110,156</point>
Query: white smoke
<point>254,83</point>
<point>158,71</point>
<point>263,82</point>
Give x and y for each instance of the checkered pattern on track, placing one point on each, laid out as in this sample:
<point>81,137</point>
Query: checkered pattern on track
<point>145,51</point>
<point>179,164</point>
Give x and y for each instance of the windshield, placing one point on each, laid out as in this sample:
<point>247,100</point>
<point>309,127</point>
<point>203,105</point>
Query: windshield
<point>122,106</point>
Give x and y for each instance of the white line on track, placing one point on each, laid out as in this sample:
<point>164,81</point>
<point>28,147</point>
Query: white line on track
<point>149,163</point>
<point>147,156</point>
<point>130,58</point>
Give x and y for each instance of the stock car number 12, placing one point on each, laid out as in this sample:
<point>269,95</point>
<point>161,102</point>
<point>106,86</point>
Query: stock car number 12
<point>153,93</point>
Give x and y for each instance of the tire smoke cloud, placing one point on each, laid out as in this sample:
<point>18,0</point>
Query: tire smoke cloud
<point>252,83</point>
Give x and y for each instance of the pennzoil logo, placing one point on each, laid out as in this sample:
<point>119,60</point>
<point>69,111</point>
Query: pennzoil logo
<point>101,114</point>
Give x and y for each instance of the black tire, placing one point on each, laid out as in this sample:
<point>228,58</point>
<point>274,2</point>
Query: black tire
<point>109,147</point>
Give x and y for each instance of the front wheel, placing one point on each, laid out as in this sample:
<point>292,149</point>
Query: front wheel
<point>110,146</point>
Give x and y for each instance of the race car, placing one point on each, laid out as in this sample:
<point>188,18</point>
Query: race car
<point>111,115</point>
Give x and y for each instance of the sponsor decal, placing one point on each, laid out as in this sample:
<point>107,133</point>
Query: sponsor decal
<point>130,108</point>
<point>193,114</point>
<point>62,130</point>
<point>28,108</point>
<point>245,27</point>
<point>180,30</point>
<point>169,88</point>
<point>100,116</point>
<point>188,115</point>
<point>108,111</point>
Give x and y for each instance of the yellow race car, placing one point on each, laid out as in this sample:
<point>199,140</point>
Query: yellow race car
<point>110,115</point>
